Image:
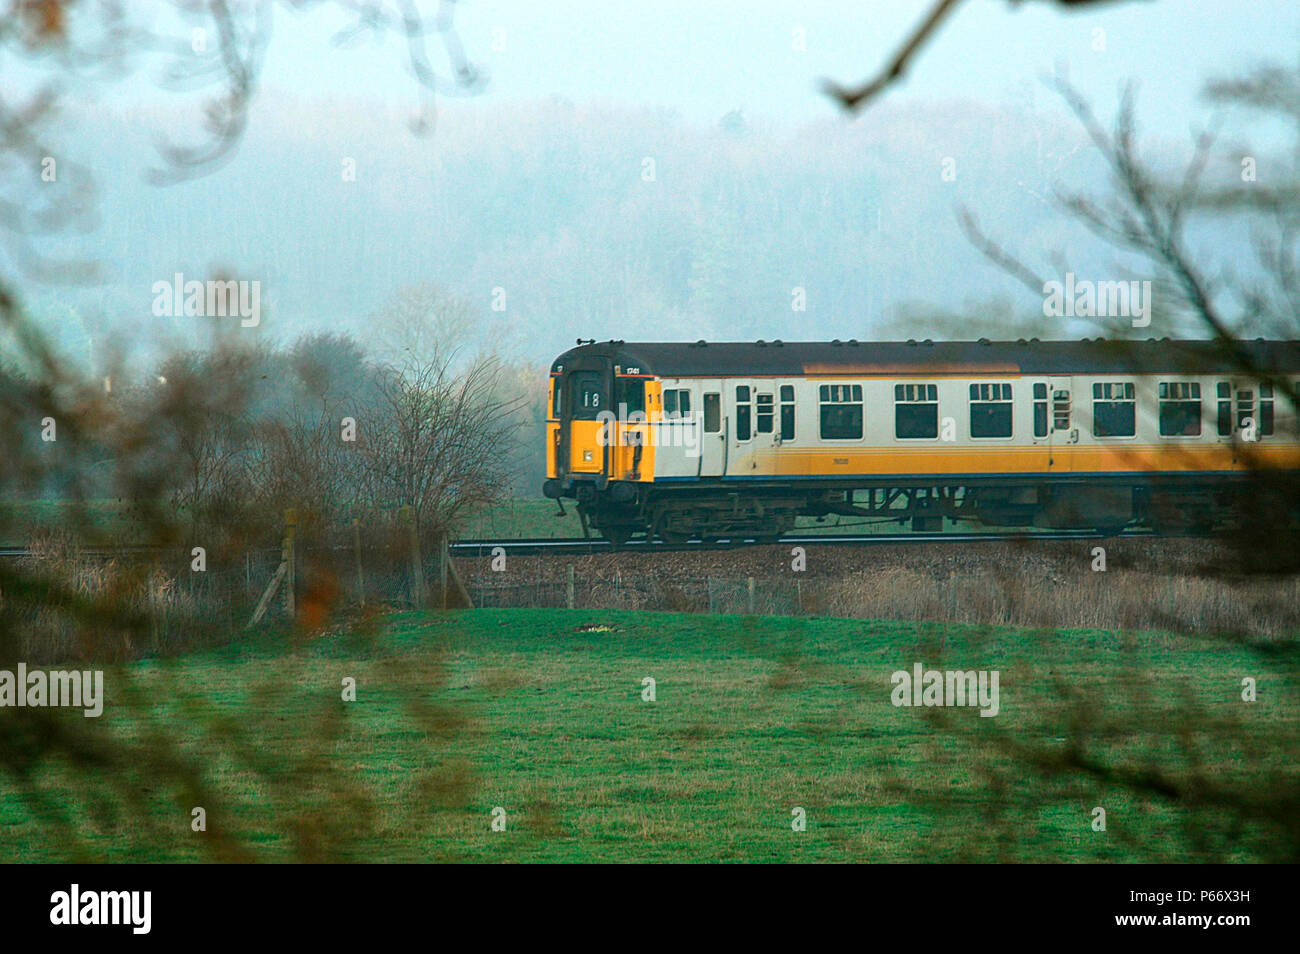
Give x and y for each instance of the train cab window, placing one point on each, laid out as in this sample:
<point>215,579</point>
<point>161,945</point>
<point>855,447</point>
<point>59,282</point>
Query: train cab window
<point>916,411</point>
<point>677,404</point>
<point>1040,410</point>
<point>787,412</point>
<point>588,395</point>
<point>841,412</point>
<point>1180,409</point>
<point>743,413</point>
<point>764,410</point>
<point>1114,409</point>
<point>631,397</point>
<point>712,412</point>
<point>1224,392</point>
<point>990,410</point>
<point>1265,410</point>
<point>556,391</point>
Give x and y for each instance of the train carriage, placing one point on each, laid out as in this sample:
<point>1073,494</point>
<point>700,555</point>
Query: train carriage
<point>713,440</point>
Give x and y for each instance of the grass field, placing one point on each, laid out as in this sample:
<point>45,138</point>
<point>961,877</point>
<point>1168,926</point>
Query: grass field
<point>541,714</point>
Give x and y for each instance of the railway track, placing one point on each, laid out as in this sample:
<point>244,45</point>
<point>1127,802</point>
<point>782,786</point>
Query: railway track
<point>598,545</point>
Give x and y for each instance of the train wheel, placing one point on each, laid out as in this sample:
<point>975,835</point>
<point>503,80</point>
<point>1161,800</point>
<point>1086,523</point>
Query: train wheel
<point>617,536</point>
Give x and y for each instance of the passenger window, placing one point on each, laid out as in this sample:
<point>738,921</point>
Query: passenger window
<point>670,403</point>
<point>1114,409</point>
<point>684,402</point>
<point>712,412</point>
<point>764,412</point>
<point>990,410</point>
<point>841,411</point>
<point>743,412</point>
<point>1265,410</point>
<point>916,411</point>
<point>1180,409</point>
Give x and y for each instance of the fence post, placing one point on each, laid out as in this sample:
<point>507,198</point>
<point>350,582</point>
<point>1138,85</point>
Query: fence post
<point>798,592</point>
<point>356,544</point>
<point>417,561</point>
<point>570,587</point>
<point>708,582</point>
<point>443,559</point>
<point>750,581</point>
<point>290,557</point>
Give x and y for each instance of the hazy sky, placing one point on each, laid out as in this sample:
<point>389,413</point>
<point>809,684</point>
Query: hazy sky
<point>702,59</point>
<point>694,60</point>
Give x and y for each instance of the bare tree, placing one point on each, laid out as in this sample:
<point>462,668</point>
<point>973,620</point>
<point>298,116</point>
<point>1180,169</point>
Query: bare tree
<point>437,441</point>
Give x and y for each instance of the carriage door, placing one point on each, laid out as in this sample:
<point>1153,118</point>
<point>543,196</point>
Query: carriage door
<point>713,433</point>
<point>1223,416</point>
<point>766,434</point>
<point>1063,430</point>
<point>740,442</point>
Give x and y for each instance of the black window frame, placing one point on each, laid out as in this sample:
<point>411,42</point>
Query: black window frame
<point>785,395</point>
<point>1178,408</point>
<point>907,401</point>
<point>581,409</point>
<point>840,412</point>
<point>1223,395</point>
<point>712,412</point>
<point>1245,407</point>
<point>984,407</point>
<point>1042,418</point>
<point>744,414</point>
<point>1107,408</point>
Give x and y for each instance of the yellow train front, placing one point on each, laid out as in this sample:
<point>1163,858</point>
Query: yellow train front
<point>735,440</point>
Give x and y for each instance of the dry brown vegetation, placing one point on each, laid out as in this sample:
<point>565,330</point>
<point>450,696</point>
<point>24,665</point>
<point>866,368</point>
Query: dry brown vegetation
<point>1175,585</point>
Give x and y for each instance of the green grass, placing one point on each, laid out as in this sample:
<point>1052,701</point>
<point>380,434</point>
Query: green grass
<point>459,713</point>
<point>104,519</point>
<point>522,518</point>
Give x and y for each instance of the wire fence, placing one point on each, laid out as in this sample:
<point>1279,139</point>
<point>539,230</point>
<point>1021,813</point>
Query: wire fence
<point>711,594</point>
<point>164,601</point>
<point>980,593</point>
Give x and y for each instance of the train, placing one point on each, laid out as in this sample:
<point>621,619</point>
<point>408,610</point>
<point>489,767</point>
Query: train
<point>679,441</point>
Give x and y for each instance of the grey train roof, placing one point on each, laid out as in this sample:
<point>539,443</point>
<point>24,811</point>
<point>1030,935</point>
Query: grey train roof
<point>737,359</point>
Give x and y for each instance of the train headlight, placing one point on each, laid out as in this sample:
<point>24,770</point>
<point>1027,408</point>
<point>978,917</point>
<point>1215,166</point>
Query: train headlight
<point>586,455</point>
